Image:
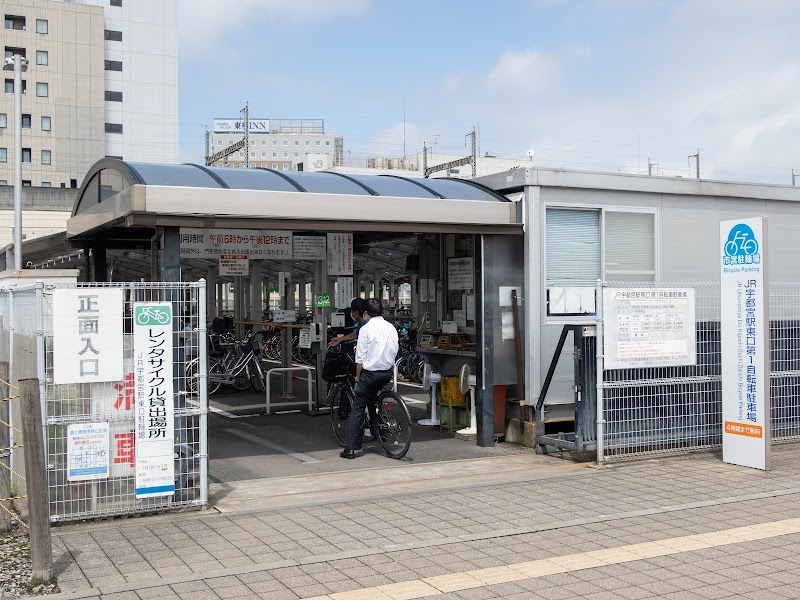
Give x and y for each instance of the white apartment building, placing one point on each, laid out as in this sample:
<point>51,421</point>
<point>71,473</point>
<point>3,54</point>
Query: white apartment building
<point>102,80</point>
<point>279,144</point>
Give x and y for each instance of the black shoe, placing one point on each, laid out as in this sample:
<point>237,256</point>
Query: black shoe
<point>347,453</point>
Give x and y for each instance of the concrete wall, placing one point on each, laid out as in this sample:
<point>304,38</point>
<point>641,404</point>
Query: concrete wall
<point>45,210</point>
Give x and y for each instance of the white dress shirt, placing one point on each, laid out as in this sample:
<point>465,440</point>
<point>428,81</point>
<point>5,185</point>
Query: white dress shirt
<point>376,349</point>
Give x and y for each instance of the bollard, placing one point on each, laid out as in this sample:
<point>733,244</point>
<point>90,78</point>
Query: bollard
<point>36,478</point>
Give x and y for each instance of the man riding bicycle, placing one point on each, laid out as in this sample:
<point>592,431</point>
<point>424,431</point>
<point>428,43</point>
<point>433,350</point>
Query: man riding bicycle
<point>376,352</point>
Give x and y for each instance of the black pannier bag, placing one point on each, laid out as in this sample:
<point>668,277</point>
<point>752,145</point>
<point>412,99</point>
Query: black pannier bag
<point>337,365</point>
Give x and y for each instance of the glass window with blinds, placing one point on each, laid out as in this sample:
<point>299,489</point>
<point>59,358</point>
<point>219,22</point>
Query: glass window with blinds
<point>629,242</point>
<point>573,247</point>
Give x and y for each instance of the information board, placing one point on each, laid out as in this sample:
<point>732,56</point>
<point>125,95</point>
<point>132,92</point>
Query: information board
<point>234,264</point>
<point>460,274</point>
<point>308,247</point>
<point>256,243</point>
<point>87,451</point>
<point>649,327</point>
<point>344,292</point>
<point>744,294</point>
<point>340,254</point>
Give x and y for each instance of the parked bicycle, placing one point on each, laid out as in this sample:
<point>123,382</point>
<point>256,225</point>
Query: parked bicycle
<point>386,417</point>
<point>239,367</point>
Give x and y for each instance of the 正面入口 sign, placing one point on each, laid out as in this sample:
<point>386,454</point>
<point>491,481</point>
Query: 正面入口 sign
<point>744,295</point>
<point>254,243</point>
<point>154,416</point>
<point>87,335</point>
<point>649,327</point>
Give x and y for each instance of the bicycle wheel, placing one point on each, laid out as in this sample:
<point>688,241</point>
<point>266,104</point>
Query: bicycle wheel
<point>340,400</point>
<point>256,375</point>
<point>193,376</point>
<point>242,381</point>
<point>393,424</point>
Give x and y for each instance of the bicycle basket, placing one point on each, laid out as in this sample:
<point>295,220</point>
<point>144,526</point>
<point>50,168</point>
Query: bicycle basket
<point>337,366</point>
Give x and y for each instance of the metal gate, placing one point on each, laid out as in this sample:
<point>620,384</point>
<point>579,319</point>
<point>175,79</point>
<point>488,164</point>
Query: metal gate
<point>666,410</point>
<point>29,310</point>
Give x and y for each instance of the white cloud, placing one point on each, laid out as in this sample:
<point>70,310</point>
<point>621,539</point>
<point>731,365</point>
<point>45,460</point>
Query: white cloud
<point>205,24</point>
<point>527,70</point>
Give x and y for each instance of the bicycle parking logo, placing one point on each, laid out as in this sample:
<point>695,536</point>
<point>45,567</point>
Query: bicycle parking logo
<point>147,315</point>
<point>741,247</point>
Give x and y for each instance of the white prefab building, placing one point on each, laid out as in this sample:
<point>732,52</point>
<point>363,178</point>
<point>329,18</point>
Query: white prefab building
<point>581,227</point>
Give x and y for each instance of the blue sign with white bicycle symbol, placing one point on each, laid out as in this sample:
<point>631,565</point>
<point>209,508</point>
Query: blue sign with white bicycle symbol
<point>741,247</point>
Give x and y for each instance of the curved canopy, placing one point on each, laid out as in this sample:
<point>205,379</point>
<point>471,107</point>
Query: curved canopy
<point>110,176</point>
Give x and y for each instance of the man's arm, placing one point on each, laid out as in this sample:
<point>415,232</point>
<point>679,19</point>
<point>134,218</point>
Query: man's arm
<point>358,371</point>
<point>344,338</point>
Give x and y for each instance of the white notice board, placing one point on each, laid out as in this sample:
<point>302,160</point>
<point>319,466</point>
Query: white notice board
<point>460,274</point>
<point>647,327</point>
<point>744,294</point>
<point>308,247</point>
<point>340,254</point>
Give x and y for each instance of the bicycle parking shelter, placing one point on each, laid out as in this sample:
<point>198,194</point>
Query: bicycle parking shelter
<point>130,221</point>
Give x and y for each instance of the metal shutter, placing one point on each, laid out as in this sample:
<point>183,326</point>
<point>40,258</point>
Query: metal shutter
<point>629,246</point>
<point>572,247</point>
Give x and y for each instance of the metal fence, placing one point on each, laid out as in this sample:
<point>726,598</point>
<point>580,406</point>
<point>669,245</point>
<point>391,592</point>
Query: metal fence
<point>666,410</point>
<point>31,310</point>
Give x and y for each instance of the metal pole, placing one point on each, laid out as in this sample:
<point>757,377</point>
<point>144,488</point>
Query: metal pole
<point>202,356</point>
<point>17,162</point>
<point>599,352</point>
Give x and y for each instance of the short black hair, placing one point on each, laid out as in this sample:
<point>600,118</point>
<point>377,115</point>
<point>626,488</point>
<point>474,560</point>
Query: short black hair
<point>374,307</point>
<point>358,305</point>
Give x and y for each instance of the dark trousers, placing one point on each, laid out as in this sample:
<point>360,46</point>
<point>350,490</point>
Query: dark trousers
<point>367,388</point>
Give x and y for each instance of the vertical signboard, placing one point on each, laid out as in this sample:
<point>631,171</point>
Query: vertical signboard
<point>344,292</point>
<point>87,335</point>
<point>340,254</point>
<point>745,343</point>
<point>155,412</point>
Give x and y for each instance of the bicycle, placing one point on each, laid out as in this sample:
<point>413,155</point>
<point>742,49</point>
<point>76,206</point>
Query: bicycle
<point>387,416</point>
<point>240,369</point>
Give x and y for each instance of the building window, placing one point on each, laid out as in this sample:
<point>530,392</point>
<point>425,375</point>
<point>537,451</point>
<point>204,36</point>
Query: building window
<point>26,183</point>
<point>327,142</point>
<point>3,182</point>
<point>263,142</point>
<point>15,22</point>
<point>307,143</point>
<point>41,58</point>
<point>297,142</point>
<point>274,155</point>
<point>46,123</point>
<point>46,184</point>
<point>113,36</point>
<point>274,142</point>
<point>26,121</point>
<point>3,120</point>
<point>113,65</point>
<point>73,183</point>
<point>113,127</point>
<point>263,155</point>
<point>26,155</point>
<point>41,26</point>
<point>285,167</point>
<point>297,155</point>
<point>11,51</point>
<point>113,96</point>
<point>575,243</point>
<point>3,155</point>
<point>285,142</point>
<point>116,2</point>
<point>274,165</point>
<point>252,142</point>
<point>285,155</point>
<point>219,142</point>
<point>230,143</point>
<point>9,88</point>
<point>46,157</point>
<point>317,143</point>
<point>42,89</point>
<point>263,165</point>
<point>252,155</point>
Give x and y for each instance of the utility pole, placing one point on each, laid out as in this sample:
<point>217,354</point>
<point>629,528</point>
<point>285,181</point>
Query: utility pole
<point>223,154</point>
<point>650,166</point>
<point>697,157</point>
<point>245,116</point>
<point>17,64</point>
<point>472,159</point>
<point>794,176</point>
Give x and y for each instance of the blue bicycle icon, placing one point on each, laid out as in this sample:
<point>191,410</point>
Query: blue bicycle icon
<point>741,242</point>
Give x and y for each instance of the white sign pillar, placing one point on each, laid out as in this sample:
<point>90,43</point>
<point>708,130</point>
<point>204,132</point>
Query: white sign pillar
<point>211,292</point>
<point>257,292</point>
<point>744,293</point>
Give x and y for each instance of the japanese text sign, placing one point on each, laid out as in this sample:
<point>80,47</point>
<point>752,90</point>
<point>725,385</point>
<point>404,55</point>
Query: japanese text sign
<point>257,244</point>
<point>649,327</point>
<point>87,335</point>
<point>745,343</point>
<point>87,451</point>
<point>340,254</point>
<point>155,406</point>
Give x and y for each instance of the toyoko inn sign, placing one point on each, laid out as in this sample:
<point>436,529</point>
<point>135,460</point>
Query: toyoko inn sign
<point>745,343</point>
<point>237,126</point>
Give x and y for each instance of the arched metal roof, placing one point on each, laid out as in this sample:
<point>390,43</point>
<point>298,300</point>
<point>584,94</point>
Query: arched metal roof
<point>110,176</point>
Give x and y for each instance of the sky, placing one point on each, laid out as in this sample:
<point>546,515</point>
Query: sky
<point>596,85</point>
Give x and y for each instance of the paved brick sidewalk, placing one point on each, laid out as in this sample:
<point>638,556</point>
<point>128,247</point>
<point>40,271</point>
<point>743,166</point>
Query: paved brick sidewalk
<point>450,535</point>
